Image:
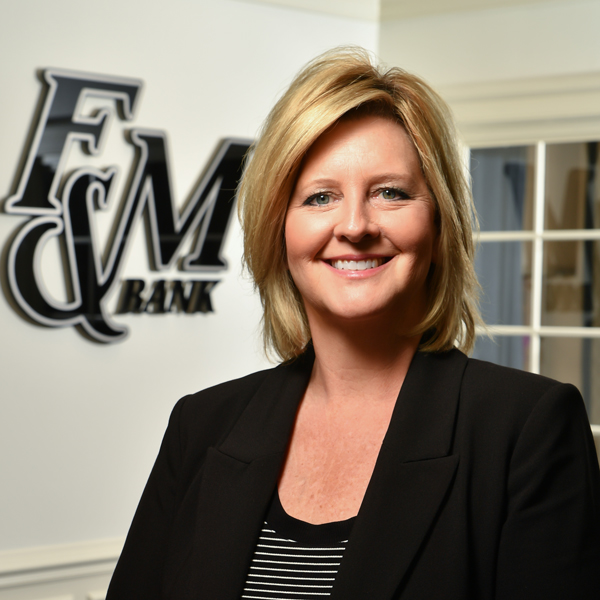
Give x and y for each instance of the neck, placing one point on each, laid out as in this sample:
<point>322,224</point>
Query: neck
<point>360,361</point>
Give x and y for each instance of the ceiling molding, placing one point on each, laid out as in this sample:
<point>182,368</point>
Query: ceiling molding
<point>389,10</point>
<point>356,9</point>
<point>556,108</point>
<point>405,9</point>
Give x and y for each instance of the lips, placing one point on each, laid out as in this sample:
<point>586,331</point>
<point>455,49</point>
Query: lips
<point>358,265</point>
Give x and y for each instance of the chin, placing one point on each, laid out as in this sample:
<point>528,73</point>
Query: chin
<point>394,314</point>
<point>355,313</point>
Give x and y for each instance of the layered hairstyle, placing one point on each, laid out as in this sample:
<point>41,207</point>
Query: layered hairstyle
<point>343,83</point>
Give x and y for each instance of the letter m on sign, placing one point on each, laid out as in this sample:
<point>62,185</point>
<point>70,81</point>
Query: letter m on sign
<point>207,212</point>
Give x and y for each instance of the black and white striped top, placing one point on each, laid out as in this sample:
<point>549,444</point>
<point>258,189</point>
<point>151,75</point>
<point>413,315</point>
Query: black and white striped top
<point>294,559</point>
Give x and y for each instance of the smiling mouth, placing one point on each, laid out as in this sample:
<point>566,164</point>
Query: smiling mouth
<point>358,265</point>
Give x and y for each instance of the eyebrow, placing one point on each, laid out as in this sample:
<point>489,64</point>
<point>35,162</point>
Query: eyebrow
<point>380,177</point>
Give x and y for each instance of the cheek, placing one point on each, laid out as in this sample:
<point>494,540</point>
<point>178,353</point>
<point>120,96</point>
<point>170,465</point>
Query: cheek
<point>292,239</point>
<point>412,231</point>
<point>296,241</point>
<point>305,235</point>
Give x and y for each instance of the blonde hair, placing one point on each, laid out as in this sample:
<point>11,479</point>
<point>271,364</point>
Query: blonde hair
<point>341,82</point>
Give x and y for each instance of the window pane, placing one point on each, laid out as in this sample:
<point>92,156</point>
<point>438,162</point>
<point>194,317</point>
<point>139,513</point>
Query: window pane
<point>572,186</point>
<point>502,180</point>
<point>509,351</point>
<point>575,360</point>
<point>571,284</point>
<point>504,271</point>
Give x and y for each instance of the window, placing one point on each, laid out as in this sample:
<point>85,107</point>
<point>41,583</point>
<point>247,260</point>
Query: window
<point>539,253</point>
<point>539,260</point>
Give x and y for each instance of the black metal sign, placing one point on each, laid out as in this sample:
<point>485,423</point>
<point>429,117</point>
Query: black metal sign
<point>63,202</point>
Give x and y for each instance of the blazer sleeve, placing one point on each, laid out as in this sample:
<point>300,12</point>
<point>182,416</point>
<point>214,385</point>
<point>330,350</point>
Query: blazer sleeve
<point>139,571</point>
<point>550,541</point>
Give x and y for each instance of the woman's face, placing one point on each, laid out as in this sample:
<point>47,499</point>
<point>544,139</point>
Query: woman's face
<point>359,230</point>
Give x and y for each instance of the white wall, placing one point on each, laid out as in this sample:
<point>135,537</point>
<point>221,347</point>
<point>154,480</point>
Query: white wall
<point>80,423</point>
<point>550,38</point>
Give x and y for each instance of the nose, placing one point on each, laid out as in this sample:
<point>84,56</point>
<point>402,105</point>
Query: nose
<point>355,221</point>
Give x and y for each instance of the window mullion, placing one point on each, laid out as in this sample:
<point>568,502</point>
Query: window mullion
<point>538,257</point>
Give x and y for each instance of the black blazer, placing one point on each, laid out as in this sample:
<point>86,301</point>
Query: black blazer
<point>486,487</point>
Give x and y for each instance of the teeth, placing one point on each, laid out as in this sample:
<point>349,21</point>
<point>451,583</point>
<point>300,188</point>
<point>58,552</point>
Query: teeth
<point>356,265</point>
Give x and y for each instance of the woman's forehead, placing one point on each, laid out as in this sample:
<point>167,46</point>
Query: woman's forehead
<point>369,141</point>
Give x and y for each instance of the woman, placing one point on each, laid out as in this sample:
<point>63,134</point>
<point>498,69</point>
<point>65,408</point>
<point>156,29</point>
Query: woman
<point>377,461</point>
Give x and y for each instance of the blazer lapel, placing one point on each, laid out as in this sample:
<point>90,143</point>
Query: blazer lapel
<point>238,480</point>
<point>410,481</point>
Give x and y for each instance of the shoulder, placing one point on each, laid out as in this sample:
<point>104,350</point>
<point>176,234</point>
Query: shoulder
<point>207,417</point>
<point>517,427</point>
<point>503,400</point>
<point>210,413</point>
<point>488,384</point>
<point>225,394</point>
<point>488,378</point>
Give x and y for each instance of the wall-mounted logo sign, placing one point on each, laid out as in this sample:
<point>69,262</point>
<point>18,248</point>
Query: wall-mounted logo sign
<point>63,202</point>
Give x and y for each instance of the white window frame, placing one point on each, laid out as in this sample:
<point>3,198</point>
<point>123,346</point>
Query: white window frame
<point>536,112</point>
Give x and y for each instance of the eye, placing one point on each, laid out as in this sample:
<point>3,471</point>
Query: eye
<point>392,194</point>
<point>318,200</point>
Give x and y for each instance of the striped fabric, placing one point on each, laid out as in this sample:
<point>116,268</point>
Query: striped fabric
<point>295,560</point>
